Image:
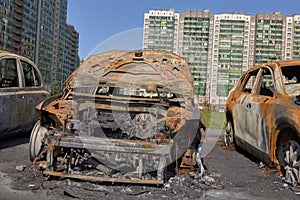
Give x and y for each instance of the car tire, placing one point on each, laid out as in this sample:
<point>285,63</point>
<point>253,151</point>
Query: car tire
<point>36,142</point>
<point>229,134</point>
<point>292,163</point>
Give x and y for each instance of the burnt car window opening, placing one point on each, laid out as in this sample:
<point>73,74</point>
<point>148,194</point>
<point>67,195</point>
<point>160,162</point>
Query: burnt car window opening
<point>249,84</point>
<point>8,73</point>
<point>291,80</point>
<point>267,84</point>
<point>30,75</point>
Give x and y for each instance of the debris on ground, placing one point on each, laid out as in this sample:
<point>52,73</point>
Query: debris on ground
<point>20,168</point>
<point>179,186</point>
<point>261,165</point>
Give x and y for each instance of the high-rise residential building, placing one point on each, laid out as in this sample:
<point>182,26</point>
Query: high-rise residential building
<point>269,41</point>
<point>293,34</point>
<point>193,44</point>
<point>220,47</point>
<point>38,30</point>
<point>73,39</point>
<point>18,26</point>
<point>160,30</point>
<point>5,24</point>
<point>45,36</point>
<point>229,53</point>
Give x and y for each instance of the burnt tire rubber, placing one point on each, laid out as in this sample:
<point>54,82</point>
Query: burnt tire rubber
<point>36,143</point>
<point>229,134</point>
<point>292,163</point>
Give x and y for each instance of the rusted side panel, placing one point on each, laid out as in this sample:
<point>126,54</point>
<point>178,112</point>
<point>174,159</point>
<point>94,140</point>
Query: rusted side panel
<point>260,119</point>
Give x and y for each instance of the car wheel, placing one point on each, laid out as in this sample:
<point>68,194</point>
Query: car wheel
<point>228,136</point>
<point>292,163</point>
<point>36,140</point>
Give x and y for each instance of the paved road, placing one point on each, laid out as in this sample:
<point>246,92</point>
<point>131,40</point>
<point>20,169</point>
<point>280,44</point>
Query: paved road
<point>14,152</point>
<point>241,177</point>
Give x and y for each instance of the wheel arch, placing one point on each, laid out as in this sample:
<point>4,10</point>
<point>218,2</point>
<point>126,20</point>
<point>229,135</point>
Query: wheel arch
<point>286,129</point>
<point>229,117</point>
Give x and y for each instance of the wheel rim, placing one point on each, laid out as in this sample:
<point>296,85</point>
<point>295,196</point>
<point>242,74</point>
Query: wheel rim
<point>228,137</point>
<point>292,163</point>
<point>36,139</point>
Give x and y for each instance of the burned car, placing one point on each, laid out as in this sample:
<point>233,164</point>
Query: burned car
<point>263,115</point>
<point>124,116</point>
<point>21,89</point>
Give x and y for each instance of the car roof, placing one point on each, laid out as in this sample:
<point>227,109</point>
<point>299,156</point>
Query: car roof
<point>279,63</point>
<point>286,63</point>
<point>6,53</point>
<point>2,52</point>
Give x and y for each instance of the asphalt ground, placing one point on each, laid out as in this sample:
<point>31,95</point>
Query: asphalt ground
<point>230,174</point>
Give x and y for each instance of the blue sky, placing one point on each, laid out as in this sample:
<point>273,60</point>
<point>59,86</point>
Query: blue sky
<point>99,22</point>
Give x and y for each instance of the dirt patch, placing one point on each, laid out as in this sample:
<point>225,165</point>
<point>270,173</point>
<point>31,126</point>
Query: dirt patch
<point>221,143</point>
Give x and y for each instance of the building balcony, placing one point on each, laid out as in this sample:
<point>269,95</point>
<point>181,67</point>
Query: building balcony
<point>18,9</point>
<point>18,2</point>
<point>17,31</point>
<point>17,24</point>
<point>16,45</point>
<point>17,16</point>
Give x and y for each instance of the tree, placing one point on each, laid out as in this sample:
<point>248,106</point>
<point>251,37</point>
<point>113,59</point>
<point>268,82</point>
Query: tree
<point>55,88</point>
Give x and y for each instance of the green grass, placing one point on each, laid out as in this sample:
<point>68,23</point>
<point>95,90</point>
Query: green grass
<point>214,119</point>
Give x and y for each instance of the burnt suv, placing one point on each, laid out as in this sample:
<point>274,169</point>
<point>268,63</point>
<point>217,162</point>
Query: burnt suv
<point>263,115</point>
<point>124,116</point>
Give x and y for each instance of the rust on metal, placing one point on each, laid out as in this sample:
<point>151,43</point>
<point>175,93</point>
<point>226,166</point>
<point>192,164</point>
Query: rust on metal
<point>103,179</point>
<point>264,110</point>
<point>124,116</point>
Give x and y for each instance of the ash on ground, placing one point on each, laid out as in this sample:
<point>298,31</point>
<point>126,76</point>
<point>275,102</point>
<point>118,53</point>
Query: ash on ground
<point>190,185</point>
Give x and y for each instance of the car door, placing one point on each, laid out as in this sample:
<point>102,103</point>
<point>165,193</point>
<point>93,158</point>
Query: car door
<point>258,109</point>
<point>241,97</point>
<point>12,102</point>
<point>33,90</point>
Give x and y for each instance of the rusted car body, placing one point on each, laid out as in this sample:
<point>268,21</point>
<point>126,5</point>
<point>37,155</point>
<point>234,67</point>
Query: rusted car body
<point>21,89</point>
<point>124,116</point>
<point>263,115</point>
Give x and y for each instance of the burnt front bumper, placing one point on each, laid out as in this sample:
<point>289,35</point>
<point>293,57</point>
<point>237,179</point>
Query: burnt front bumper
<point>139,152</point>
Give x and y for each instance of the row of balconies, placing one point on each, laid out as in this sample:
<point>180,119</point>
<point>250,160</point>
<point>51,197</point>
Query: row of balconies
<point>297,32</point>
<point>160,18</point>
<point>197,20</point>
<point>160,23</point>
<point>231,28</point>
<point>297,38</point>
<point>206,26</point>
<point>230,60</point>
<point>232,22</point>
<point>188,35</point>
<point>194,41</point>
<point>17,24</point>
<point>196,30</point>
